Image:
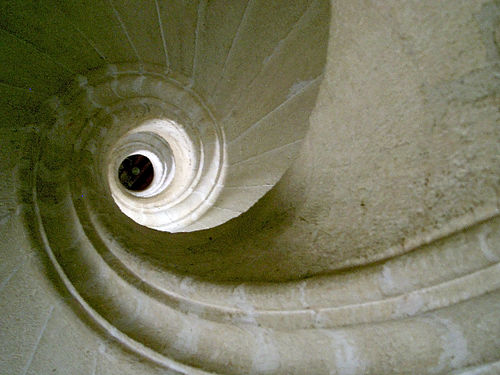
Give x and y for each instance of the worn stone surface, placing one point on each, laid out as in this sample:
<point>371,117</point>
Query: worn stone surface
<point>334,187</point>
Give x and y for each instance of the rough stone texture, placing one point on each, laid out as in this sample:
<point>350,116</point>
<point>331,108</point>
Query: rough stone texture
<point>366,132</point>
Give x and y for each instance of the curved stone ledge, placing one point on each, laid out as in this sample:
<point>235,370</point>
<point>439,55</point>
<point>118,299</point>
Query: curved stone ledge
<point>321,198</point>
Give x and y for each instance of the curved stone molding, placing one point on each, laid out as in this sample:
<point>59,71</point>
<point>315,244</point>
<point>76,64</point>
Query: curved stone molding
<point>141,311</point>
<point>182,140</point>
<point>123,111</point>
<point>320,190</point>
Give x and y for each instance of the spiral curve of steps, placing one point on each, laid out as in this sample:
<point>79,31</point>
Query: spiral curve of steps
<point>325,197</point>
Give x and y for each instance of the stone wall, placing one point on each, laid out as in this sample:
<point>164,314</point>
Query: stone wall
<point>324,198</point>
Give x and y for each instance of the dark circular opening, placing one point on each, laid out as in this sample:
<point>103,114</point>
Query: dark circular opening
<point>136,172</point>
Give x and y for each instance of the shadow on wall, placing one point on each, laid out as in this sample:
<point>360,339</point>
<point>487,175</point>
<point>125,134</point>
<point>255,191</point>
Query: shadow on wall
<point>276,91</point>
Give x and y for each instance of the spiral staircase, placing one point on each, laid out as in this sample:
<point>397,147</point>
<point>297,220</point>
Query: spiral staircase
<point>249,187</point>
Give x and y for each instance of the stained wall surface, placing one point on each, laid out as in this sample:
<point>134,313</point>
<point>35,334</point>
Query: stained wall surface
<point>331,194</point>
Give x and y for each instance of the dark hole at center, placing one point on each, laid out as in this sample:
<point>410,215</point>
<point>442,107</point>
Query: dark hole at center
<point>136,172</point>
